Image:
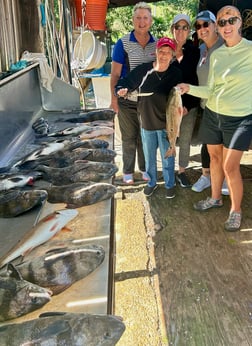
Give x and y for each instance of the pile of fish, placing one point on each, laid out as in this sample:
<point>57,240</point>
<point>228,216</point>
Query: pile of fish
<point>70,166</point>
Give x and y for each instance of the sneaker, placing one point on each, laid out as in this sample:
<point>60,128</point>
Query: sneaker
<point>145,176</point>
<point>128,179</point>
<point>170,193</point>
<point>183,180</point>
<point>202,183</point>
<point>208,204</point>
<point>233,222</point>
<point>148,191</point>
<point>224,189</point>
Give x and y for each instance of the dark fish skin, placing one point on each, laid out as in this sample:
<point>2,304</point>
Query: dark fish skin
<point>64,329</point>
<point>18,296</point>
<point>92,115</point>
<point>82,170</point>
<point>89,144</point>
<point>59,268</point>
<point>80,194</point>
<point>98,155</point>
<point>68,157</point>
<point>16,202</point>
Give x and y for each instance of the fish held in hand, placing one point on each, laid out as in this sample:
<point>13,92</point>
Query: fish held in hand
<point>59,268</point>
<point>66,329</point>
<point>18,296</point>
<point>174,114</point>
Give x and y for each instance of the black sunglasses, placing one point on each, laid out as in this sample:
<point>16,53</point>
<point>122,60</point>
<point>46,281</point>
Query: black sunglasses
<point>204,25</point>
<point>231,21</point>
<point>181,27</point>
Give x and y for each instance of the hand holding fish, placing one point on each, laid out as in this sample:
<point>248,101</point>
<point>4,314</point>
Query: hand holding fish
<point>122,92</point>
<point>183,88</point>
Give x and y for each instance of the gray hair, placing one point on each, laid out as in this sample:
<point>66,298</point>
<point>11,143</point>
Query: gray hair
<point>141,5</point>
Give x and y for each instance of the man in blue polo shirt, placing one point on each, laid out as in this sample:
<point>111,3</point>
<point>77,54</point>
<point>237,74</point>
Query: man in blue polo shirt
<point>133,49</point>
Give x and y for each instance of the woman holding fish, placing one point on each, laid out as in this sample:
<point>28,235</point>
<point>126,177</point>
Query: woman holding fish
<point>156,80</point>
<point>227,120</point>
<point>186,59</point>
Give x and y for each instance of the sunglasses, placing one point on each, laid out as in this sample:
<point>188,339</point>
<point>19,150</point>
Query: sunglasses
<point>204,25</point>
<point>231,21</point>
<point>181,27</point>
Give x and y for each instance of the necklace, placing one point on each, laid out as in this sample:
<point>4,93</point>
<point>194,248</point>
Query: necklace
<point>159,74</point>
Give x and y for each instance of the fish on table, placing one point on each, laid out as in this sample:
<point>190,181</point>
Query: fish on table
<point>19,297</point>
<point>65,158</point>
<point>44,150</point>
<point>59,268</point>
<point>174,114</point>
<point>92,143</point>
<point>106,123</point>
<point>65,329</point>
<point>80,194</point>
<point>15,202</point>
<point>15,180</point>
<point>72,130</point>
<point>92,115</point>
<point>82,170</point>
<point>97,131</point>
<point>44,230</point>
<point>98,154</point>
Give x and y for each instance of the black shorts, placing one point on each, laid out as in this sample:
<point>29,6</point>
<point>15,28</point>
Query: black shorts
<point>232,132</point>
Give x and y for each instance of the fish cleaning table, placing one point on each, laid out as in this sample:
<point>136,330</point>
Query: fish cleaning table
<point>93,225</point>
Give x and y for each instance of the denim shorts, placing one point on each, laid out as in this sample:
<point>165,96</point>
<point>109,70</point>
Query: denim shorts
<point>232,132</point>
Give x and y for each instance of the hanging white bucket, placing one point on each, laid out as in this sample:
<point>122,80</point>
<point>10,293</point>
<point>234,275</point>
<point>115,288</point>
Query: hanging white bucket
<point>89,53</point>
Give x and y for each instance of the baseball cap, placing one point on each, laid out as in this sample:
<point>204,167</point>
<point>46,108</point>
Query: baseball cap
<point>181,16</point>
<point>166,41</point>
<point>206,16</point>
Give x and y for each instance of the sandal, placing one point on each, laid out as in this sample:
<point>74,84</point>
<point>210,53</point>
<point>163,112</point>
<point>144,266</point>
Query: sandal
<point>233,222</point>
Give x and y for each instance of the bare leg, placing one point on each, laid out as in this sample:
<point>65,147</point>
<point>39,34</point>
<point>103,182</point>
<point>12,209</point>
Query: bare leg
<point>216,169</point>
<point>231,167</point>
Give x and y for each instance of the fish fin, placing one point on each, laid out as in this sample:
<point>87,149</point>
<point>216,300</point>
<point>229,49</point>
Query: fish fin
<point>14,272</point>
<point>170,152</point>
<point>60,288</point>
<point>52,313</point>
<point>66,229</point>
<point>56,250</point>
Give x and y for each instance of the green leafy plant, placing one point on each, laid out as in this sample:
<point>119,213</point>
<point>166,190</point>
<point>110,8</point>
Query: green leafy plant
<point>119,20</point>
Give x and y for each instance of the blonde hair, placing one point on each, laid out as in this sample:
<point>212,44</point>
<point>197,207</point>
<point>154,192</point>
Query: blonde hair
<point>141,5</point>
<point>232,10</point>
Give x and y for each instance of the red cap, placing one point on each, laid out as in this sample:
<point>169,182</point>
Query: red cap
<point>166,41</point>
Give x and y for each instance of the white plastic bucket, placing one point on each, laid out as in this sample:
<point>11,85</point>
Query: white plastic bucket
<point>89,53</point>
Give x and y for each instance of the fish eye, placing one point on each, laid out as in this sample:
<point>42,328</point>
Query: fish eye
<point>34,300</point>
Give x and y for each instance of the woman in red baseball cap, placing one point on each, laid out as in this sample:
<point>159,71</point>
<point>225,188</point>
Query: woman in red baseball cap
<point>154,82</point>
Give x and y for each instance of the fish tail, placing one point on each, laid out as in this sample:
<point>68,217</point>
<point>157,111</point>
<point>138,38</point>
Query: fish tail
<point>170,152</point>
